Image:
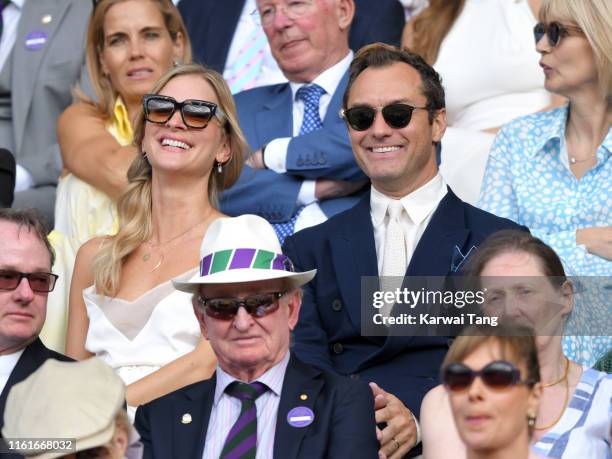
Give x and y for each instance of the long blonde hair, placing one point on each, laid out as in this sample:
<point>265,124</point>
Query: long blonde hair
<point>105,93</point>
<point>135,204</point>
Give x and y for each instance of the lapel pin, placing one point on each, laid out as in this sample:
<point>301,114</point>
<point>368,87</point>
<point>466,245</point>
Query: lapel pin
<point>300,416</point>
<point>35,40</point>
<point>303,397</point>
<point>186,419</point>
<point>46,19</point>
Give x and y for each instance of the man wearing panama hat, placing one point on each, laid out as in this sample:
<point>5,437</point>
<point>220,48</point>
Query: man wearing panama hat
<point>262,401</point>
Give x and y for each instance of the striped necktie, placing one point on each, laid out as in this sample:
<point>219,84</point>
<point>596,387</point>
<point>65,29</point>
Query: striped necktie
<point>310,95</point>
<point>246,68</point>
<point>241,442</point>
<point>3,3</point>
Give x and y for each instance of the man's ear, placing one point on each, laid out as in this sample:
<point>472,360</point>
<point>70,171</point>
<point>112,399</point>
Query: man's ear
<point>438,125</point>
<point>294,302</point>
<point>345,9</point>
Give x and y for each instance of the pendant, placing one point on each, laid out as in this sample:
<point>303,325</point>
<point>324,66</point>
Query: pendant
<point>573,160</point>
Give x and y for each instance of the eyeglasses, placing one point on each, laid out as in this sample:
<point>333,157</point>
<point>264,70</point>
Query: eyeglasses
<point>499,374</point>
<point>293,9</point>
<point>39,282</point>
<point>554,31</point>
<point>226,308</point>
<point>196,114</point>
<point>396,116</point>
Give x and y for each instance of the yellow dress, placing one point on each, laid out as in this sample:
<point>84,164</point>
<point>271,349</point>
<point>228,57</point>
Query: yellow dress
<point>81,213</point>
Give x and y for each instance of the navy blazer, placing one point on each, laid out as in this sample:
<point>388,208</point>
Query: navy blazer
<point>344,425</point>
<point>34,355</point>
<point>328,333</point>
<point>7,177</point>
<point>211,25</point>
<point>266,113</point>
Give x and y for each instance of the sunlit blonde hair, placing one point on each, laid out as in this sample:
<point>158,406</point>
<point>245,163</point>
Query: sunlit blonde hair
<point>105,93</point>
<point>594,18</point>
<point>135,205</point>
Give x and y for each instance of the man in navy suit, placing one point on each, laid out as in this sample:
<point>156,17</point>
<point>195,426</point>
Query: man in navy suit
<point>262,401</point>
<point>303,170</point>
<point>25,262</point>
<point>410,224</point>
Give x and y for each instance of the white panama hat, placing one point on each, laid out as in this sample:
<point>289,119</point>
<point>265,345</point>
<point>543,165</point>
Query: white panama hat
<point>243,249</point>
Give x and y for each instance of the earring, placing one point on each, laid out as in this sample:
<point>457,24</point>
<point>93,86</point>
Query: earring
<point>531,420</point>
<point>219,168</point>
<point>144,154</point>
<point>176,62</point>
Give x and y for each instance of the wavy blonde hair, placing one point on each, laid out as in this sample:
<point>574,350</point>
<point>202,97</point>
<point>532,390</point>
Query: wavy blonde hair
<point>135,205</point>
<point>105,93</point>
<point>594,18</point>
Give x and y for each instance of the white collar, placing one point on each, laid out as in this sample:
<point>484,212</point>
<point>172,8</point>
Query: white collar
<point>8,362</point>
<point>330,78</point>
<point>418,205</point>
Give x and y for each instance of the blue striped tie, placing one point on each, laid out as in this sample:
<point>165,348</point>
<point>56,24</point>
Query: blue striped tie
<point>311,96</point>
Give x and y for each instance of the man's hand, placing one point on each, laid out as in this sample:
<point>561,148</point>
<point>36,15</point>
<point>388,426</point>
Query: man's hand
<point>256,160</point>
<point>329,189</point>
<point>400,435</point>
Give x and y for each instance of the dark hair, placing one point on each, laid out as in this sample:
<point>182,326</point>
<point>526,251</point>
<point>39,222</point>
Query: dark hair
<point>32,220</point>
<point>517,241</point>
<point>383,55</point>
<point>517,345</point>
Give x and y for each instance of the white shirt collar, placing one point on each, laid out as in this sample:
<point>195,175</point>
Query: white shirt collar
<point>271,378</point>
<point>8,362</point>
<point>418,205</point>
<point>330,78</point>
<point>17,3</point>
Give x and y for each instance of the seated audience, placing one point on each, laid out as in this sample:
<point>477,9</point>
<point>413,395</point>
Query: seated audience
<point>262,400</point>
<point>228,37</point>
<point>302,171</point>
<point>7,177</point>
<point>552,171</point>
<point>526,285</point>
<point>409,224</point>
<point>457,37</point>
<point>41,58</point>
<point>26,258</point>
<point>122,305</point>
<point>77,405</point>
<point>493,389</point>
<point>130,44</point>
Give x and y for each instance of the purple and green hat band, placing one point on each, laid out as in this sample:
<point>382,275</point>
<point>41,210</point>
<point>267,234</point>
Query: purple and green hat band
<point>225,260</point>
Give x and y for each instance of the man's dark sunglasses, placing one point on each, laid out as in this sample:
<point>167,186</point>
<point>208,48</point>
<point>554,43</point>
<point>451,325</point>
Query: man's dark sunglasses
<point>553,31</point>
<point>39,282</point>
<point>499,374</point>
<point>361,118</point>
<point>196,114</point>
<point>226,308</point>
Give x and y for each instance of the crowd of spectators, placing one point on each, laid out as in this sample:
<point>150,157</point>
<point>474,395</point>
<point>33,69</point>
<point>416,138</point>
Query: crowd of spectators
<point>199,200</point>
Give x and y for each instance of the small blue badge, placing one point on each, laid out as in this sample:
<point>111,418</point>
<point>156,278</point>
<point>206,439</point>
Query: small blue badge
<point>300,416</point>
<point>36,40</point>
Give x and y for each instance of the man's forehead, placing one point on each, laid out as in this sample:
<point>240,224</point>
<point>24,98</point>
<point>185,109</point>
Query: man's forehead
<point>398,82</point>
<point>21,245</point>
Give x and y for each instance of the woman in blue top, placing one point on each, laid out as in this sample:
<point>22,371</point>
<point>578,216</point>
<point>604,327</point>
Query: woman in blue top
<point>552,171</point>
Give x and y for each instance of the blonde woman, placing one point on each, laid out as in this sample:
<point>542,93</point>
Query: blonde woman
<point>123,307</point>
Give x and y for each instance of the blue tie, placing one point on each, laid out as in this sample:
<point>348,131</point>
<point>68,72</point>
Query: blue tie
<point>310,95</point>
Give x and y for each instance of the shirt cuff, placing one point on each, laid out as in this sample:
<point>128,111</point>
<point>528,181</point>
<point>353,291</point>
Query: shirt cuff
<point>418,429</point>
<point>23,179</point>
<point>307,192</point>
<point>276,154</point>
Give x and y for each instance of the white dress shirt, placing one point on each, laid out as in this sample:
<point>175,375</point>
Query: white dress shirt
<point>276,150</point>
<point>7,365</point>
<point>419,205</point>
<point>226,410</point>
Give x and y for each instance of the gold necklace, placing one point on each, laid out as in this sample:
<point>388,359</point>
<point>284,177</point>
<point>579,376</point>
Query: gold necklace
<point>567,391</point>
<point>147,256</point>
<point>554,383</point>
<point>575,160</point>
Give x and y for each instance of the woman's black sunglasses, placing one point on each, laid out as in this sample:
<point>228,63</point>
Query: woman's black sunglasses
<point>553,31</point>
<point>396,116</point>
<point>226,308</point>
<point>499,374</point>
<point>195,113</point>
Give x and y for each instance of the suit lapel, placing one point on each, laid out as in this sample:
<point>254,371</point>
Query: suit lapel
<point>221,32</point>
<point>188,438</point>
<point>354,255</point>
<point>300,380</point>
<point>275,119</point>
<point>333,109</point>
<point>30,60</point>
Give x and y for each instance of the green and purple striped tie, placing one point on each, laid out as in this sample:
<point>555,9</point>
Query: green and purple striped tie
<point>241,442</point>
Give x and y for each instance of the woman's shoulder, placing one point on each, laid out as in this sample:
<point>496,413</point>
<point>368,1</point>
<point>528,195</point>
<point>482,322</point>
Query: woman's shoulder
<point>537,120</point>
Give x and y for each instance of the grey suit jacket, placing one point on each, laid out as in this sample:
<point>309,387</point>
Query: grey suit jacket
<point>42,80</point>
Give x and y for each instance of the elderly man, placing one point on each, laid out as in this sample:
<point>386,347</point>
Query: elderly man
<point>25,282</point>
<point>262,401</point>
<point>303,171</point>
<point>410,224</point>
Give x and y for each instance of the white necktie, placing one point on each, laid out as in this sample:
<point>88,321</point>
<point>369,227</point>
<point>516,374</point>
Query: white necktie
<point>394,257</point>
